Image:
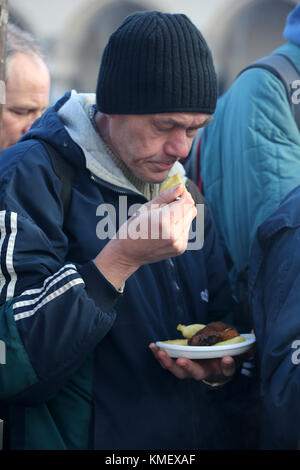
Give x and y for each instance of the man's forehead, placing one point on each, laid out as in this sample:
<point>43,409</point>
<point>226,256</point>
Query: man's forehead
<point>183,119</point>
<point>27,68</point>
<point>28,79</point>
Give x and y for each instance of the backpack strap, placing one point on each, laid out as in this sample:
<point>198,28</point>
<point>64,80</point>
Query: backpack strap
<point>285,70</point>
<point>64,171</point>
<point>192,164</point>
<point>195,192</point>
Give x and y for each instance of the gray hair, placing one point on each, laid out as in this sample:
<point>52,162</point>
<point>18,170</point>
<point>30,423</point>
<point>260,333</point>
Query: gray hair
<point>19,40</point>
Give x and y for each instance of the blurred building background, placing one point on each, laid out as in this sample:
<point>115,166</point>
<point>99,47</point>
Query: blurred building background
<point>73,33</point>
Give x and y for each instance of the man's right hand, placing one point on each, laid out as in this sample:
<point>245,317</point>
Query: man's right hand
<point>159,230</point>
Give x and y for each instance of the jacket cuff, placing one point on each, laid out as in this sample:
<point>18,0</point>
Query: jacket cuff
<point>104,294</point>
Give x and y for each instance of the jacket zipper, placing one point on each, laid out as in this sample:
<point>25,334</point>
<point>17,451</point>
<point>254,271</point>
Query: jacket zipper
<point>118,190</point>
<point>115,188</point>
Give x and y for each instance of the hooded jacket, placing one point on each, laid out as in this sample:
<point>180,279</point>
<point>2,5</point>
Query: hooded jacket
<point>274,286</point>
<point>79,373</point>
<point>250,153</point>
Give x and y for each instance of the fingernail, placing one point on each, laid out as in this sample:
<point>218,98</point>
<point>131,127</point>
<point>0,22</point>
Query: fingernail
<point>182,363</point>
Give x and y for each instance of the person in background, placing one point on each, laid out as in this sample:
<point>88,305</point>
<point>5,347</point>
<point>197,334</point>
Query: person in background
<point>249,157</point>
<point>274,293</point>
<point>84,296</point>
<point>27,85</point>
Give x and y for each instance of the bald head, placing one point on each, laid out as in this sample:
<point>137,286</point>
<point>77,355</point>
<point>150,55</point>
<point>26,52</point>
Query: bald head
<point>27,95</point>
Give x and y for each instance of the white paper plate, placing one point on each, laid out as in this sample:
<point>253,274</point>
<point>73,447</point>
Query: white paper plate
<point>208,352</point>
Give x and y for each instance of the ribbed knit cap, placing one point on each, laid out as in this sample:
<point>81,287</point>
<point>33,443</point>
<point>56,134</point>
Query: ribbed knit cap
<point>156,63</point>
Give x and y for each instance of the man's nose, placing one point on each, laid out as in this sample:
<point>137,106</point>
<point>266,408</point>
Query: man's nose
<point>178,144</point>
<point>30,121</point>
<point>27,127</point>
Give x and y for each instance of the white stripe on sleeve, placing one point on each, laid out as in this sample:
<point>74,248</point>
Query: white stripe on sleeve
<point>6,258</point>
<point>48,279</point>
<point>50,297</point>
<point>10,255</point>
<point>3,235</point>
<point>42,291</point>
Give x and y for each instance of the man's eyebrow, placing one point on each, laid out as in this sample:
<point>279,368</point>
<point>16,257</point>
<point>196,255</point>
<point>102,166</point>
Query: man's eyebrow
<point>206,121</point>
<point>173,122</point>
<point>202,124</point>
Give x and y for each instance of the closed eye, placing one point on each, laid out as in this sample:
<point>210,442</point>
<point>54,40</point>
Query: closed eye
<point>20,112</point>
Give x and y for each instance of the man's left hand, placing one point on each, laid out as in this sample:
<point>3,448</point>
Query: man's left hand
<point>211,370</point>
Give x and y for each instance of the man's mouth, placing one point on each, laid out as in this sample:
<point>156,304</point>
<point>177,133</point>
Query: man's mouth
<point>164,165</point>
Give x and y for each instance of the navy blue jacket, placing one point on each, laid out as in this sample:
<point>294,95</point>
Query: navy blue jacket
<point>274,283</point>
<point>79,371</point>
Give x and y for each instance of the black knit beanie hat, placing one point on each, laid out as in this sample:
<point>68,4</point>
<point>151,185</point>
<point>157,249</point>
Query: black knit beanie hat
<point>156,63</point>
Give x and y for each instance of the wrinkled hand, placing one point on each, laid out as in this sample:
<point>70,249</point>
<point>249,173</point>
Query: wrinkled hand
<point>158,230</point>
<point>213,370</point>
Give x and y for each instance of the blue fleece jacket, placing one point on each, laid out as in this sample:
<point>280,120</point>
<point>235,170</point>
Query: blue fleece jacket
<point>79,372</point>
<point>250,157</point>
